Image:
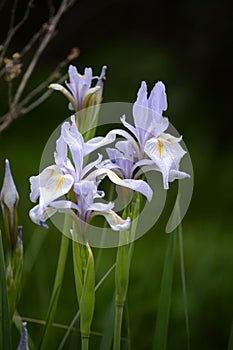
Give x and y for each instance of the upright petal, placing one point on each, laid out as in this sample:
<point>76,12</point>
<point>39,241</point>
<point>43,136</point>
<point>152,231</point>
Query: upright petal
<point>102,77</point>
<point>75,141</point>
<point>158,99</point>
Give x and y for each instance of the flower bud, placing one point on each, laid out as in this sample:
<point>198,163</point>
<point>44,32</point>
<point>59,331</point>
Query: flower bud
<point>23,344</point>
<point>9,198</point>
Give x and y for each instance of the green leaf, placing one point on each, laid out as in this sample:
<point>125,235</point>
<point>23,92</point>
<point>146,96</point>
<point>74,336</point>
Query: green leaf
<point>161,330</point>
<point>107,338</point>
<point>182,269</point>
<point>5,316</point>
<point>76,317</point>
<point>56,288</point>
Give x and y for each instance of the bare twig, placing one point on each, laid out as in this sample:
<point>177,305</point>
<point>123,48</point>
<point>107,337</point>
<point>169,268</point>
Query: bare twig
<point>50,30</point>
<point>52,77</point>
<point>18,108</point>
<point>14,28</point>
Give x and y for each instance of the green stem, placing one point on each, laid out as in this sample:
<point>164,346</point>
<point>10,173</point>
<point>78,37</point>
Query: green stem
<point>57,283</point>
<point>117,328</point>
<point>123,261</point>
<point>85,343</point>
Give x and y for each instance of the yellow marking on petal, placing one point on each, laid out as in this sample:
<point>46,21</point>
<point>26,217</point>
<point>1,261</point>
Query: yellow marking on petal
<point>160,148</point>
<point>59,182</point>
<point>117,219</point>
<point>52,172</point>
<point>116,176</point>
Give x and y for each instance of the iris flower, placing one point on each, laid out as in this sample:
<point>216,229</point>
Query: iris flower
<point>79,91</point>
<point>122,169</point>
<point>154,147</point>
<point>71,177</point>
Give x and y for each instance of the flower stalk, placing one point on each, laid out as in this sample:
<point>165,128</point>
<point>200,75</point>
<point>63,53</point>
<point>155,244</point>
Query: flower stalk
<point>123,262</point>
<point>84,273</point>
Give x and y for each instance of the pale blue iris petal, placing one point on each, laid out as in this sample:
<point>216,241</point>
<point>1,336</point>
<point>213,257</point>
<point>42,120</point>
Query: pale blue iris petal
<point>74,140</point>
<point>98,142</point>
<point>158,98</point>
<point>68,93</point>
<point>131,128</point>
<point>91,165</point>
<point>88,77</point>
<point>166,155</point>
<point>114,220</point>
<point>139,186</point>
<point>35,190</point>
<point>101,206</point>
<point>135,185</point>
<point>86,191</point>
<point>101,78</point>
<point>60,155</point>
<point>176,175</point>
<point>142,95</point>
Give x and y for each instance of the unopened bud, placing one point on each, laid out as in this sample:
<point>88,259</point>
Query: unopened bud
<point>9,198</point>
<point>23,344</point>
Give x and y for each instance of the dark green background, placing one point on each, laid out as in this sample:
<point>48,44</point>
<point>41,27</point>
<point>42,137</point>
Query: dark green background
<point>187,45</point>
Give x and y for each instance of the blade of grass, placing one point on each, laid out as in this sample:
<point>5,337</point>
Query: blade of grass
<point>183,280</point>
<point>5,316</point>
<point>161,329</point>
<point>128,327</point>
<point>56,289</point>
<point>107,338</point>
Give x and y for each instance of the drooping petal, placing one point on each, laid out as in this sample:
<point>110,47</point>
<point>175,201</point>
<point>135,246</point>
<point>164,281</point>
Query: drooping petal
<point>35,188</point>
<point>131,128</point>
<point>177,175</point>
<point>91,165</point>
<point>135,185</point>
<point>41,213</point>
<point>50,184</point>
<point>166,152</point>
<point>98,142</point>
<point>65,92</point>
<point>114,220</point>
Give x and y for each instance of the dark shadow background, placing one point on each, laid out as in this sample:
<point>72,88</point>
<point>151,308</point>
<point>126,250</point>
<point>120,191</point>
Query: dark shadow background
<point>187,45</point>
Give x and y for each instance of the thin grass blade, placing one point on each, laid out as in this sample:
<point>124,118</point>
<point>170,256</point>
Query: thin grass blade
<point>183,280</point>
<point>106,342</point>
<point>5,316</point>
<point>161,330</point>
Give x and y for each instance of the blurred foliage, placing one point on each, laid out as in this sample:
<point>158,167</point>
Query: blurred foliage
<point>186,45</point>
